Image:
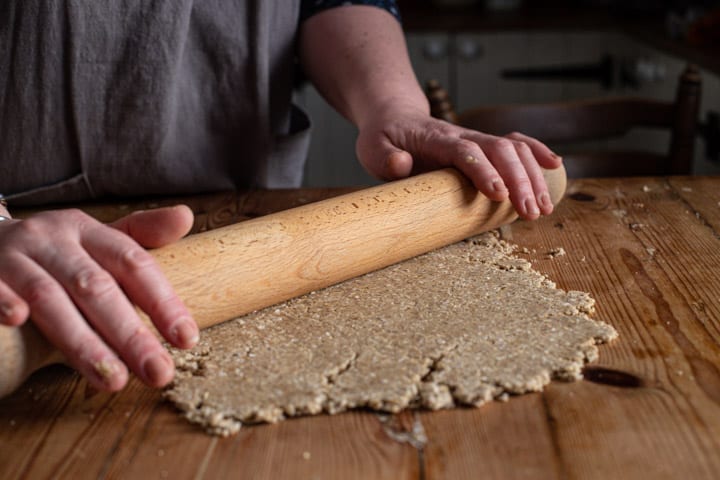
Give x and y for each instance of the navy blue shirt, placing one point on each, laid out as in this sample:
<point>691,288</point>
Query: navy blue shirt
<point>311,7</point>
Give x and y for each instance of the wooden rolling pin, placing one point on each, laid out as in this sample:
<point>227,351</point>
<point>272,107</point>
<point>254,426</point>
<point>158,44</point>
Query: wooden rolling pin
<point>225,273</point>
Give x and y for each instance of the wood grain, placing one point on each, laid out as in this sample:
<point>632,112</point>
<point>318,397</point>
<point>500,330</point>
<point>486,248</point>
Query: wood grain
<point>650,262</point>
<point>648,250</point>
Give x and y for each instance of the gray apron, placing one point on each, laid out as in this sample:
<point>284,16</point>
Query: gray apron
<point>136,97</point>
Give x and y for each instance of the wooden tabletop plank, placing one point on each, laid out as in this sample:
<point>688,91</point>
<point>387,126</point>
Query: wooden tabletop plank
<point>702,196</point>
<point>27,419</point>
<point>496,441</point>
<point>640,256</point>
<point>344,446</point>
<point>351,445</point>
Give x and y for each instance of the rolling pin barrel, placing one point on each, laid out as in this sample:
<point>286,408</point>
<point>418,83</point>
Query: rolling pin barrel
<point>225,273</point>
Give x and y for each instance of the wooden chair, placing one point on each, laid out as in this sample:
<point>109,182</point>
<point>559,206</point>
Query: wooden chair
<point>561,124</point>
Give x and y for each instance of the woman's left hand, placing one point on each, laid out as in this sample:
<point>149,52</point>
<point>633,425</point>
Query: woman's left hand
<point>399,142</point>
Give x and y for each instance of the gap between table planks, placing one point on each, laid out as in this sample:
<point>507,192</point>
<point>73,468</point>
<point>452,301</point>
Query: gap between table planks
<point>648,251</point>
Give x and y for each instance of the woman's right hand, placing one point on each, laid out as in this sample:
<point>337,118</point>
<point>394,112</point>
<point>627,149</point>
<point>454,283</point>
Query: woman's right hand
<point>78,280</point>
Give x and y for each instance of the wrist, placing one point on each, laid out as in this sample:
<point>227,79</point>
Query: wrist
<point>391,108</point>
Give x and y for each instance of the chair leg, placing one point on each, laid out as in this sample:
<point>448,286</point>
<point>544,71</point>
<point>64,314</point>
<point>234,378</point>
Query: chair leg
<point>440,105</point>
<point>685,124</point>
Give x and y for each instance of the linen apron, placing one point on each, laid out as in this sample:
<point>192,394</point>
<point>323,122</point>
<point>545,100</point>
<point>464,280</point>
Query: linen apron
<point>137,97</point>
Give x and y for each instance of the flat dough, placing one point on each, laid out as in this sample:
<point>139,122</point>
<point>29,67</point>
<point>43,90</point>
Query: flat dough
<point>459,326</point>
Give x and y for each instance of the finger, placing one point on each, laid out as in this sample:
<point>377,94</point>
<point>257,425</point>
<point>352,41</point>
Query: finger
<point>385,161</point>
<point>537,180</point>
<point>504,156</point>
<point>157,227</point>
<point>144,283</point>
<point>60,322</point>
<point>96,293</point>
<point>399,164</point>
<point>13,309</point>
<point>544,156</point>
<point>474,164</point>
<point>467,156</point>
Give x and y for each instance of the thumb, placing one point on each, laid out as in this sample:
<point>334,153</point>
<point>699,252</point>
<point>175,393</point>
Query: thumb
<point>157,227</point>
<point>385,161</point>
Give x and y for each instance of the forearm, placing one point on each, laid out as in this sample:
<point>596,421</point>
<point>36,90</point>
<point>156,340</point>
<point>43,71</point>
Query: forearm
<point>357,58</point>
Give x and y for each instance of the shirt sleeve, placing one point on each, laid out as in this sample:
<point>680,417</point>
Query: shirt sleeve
<point>309,8</point>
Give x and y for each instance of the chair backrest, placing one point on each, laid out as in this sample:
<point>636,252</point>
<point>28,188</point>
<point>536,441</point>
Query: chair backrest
<point>559,124</point>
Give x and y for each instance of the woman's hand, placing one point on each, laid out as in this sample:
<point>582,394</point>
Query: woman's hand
<point>78,281</point>
<point>404,141</point>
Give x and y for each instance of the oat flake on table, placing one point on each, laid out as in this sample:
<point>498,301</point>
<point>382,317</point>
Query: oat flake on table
<point>459,326</point>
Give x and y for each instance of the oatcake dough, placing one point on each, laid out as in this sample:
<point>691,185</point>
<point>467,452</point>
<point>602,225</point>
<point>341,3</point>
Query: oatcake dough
<point>458,326</point>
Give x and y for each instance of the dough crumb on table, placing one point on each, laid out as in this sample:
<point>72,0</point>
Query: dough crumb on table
<point>463,325</point>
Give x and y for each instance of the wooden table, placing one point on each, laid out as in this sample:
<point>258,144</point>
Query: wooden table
<point>647,249</point>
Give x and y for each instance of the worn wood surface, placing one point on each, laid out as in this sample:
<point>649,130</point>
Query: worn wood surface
<point>647,249</point>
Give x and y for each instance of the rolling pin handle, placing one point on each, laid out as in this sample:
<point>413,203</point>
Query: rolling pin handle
<point>23,351</point>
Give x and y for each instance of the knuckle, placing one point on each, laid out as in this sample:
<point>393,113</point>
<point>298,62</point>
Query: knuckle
<point>67,216</point>
<point>134,258</point>
<point>40,290</point>
<point>443,129</point>
<point>140,340</point>
<point>522,146</point>
<point>32,228</point>
<point>465,145</point>
<point>164,307</point>
<point>503,144</point>
<point>74,214</point>
<point>93,282</point>
<point>76,218</point>
<point>53,223</point>
<point>523,184</point>
<point>448,129</point>
<point>84,348</point>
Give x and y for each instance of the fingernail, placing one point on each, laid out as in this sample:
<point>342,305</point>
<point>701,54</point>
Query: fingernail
<point>106,369</point>
<point>471,159</point>
<point>185,333</point>
<point>499,186</point>
<point>555,156</point>
<point>6,310</point>
<point>544,200</point>
<point>156,369</point>
<point>530,207</point>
